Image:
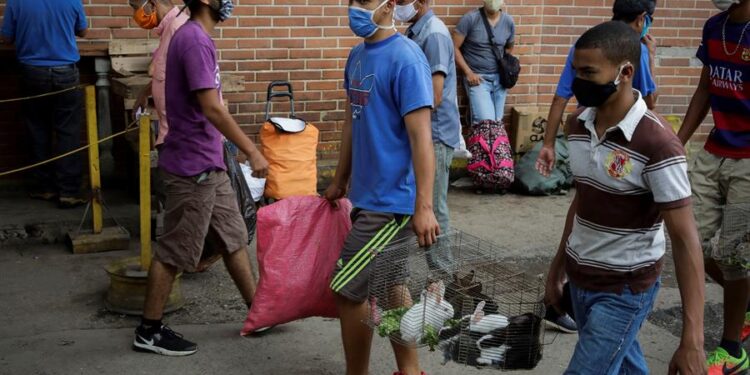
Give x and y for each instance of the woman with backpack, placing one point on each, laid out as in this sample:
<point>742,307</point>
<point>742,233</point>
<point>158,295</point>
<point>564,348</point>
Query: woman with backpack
<point>483,41</point>
<point>477,52</point>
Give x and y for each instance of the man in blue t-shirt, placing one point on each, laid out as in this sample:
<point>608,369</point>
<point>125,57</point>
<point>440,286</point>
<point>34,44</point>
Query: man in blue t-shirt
<point>387,164</point>
<point>639,15</point>
<point>44,32</point>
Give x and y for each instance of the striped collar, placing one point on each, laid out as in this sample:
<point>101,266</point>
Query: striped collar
<point>627,125</point>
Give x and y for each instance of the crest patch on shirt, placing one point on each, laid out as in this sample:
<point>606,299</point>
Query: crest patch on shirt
<point>746,54</point>
<point>618,164</point>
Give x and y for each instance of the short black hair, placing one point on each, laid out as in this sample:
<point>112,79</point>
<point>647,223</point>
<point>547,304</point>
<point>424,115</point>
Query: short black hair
<point>192,5</point>
<point>195,6</point>
<point>618,42</point>
<point>629,10</point>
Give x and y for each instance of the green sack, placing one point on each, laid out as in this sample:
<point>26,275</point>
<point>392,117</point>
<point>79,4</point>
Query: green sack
<point>530,181</point>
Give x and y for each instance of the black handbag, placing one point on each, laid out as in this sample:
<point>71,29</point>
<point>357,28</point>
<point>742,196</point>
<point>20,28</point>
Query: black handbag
<point>508,65</point>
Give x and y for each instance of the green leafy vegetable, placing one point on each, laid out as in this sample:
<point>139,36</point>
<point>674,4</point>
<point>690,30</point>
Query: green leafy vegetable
<point>430,337</point>
<point>390,321</point>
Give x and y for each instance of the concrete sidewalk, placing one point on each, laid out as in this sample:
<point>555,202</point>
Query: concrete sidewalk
<point>52,319</point>
<point>26,221</point>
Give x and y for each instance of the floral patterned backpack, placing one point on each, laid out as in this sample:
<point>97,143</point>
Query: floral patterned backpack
<point>491,163</point>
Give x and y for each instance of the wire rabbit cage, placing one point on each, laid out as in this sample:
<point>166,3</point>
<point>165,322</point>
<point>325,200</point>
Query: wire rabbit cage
<point>733,240</point>
<point>459,298</point>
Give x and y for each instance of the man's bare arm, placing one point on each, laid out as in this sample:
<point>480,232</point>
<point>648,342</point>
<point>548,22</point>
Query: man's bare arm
<point>698,109</point>
<point>219,117</point>
<point>688,258</point>
<point>419,128</point>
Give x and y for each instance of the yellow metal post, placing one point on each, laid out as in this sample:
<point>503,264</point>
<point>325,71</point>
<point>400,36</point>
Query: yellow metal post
<point>93,136</point>
<point>144,153</point>
<point>100,238</point>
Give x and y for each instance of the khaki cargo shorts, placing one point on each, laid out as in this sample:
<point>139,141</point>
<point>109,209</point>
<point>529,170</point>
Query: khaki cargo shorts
<point>197,211</point>
<point>721,199</point>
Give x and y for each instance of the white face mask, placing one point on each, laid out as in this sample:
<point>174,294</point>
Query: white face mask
<point>405,13</point>
<point>723,5</point>
<point>495,5</point>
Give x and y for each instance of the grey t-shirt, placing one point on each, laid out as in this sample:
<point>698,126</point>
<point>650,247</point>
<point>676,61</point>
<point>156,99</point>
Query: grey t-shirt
<point>476,48</point>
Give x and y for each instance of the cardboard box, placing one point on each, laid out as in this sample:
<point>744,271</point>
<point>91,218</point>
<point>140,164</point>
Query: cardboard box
<point>527,127</point>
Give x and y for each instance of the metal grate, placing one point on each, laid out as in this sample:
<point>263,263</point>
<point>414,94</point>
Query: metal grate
<point>458,297</point>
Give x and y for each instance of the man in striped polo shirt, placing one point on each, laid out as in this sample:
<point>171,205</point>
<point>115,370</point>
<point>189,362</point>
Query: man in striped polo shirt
<point>631,175</point>
<point>720,173</point>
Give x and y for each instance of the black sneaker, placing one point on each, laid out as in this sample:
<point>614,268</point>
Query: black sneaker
<point>561,322</point>
<point>164,342</point>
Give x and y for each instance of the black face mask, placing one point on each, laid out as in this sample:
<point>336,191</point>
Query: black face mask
<point>591,94</point>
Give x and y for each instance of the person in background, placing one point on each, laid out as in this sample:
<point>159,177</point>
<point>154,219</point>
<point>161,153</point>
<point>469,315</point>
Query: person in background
<point>433,37</point>
<point>164,17</point>
<point>720,173</point>
<point>44,32</point>
<point>475,58</point>
<point>639,14</point>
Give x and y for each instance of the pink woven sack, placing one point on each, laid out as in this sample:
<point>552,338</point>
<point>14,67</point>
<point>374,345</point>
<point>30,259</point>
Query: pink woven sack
<point>299,242</point>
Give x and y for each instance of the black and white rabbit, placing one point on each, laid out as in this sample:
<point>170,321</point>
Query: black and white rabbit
<point>473,327</point>
<point>513,347</point>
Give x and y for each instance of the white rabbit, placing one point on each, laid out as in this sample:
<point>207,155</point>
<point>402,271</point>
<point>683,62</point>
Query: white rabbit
<point>431,310</point>
<point>484,324</point>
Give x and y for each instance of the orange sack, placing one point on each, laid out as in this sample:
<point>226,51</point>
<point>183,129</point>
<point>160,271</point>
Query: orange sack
<point>292,167</point>
<point>290,145</point>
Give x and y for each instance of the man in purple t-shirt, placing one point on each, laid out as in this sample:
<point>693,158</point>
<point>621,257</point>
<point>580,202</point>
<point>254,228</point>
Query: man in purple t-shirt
<point>200,200</point>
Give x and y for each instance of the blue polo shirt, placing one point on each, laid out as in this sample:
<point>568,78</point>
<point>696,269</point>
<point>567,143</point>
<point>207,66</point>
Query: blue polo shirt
<point>385,81</point>
<point>44,30</point>
<point>433,38</point>
<point>643,80</point>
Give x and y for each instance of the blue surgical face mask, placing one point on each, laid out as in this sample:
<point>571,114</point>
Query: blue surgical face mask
<point>361,23</point>
<point>646,25</point>
<point>405,13</point>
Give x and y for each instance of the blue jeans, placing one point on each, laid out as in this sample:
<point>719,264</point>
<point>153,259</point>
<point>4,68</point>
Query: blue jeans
<point>440,257</point>
<point>54,123</point>
<point>487,99</point>
<point>608,326</point>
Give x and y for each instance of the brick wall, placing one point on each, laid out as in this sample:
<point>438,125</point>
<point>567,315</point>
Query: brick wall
<point>307,41</point>
<point>677,28</point>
